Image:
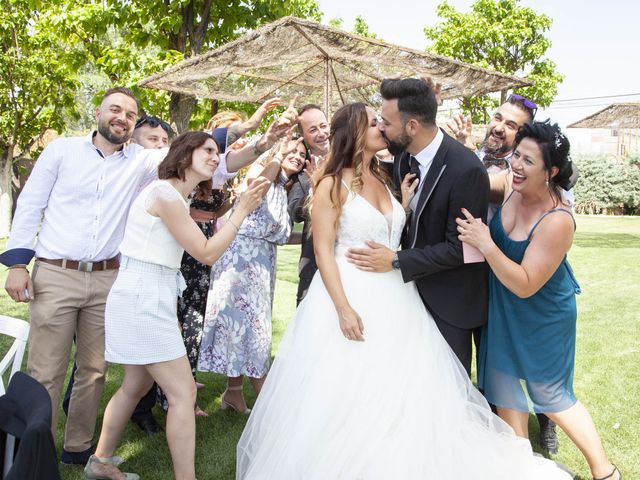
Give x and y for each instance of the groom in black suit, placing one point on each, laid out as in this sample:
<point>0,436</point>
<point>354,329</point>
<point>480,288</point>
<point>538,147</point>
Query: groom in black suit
<point>450,178</point>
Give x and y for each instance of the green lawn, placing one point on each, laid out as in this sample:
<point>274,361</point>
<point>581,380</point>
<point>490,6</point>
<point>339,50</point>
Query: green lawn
<point>607,375</point>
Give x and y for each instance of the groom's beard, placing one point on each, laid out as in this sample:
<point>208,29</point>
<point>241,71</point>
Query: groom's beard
<point>396,147</point>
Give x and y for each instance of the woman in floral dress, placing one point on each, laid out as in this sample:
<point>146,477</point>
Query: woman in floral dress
<point>237,327</point>
<point>205,210</point>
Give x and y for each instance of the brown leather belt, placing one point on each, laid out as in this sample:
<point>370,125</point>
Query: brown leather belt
<point>110,264</point>
<point>202,216</point>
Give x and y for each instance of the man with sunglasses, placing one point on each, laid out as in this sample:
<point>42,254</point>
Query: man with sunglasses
<point>152,132</point>
<point>495,152</point>
<point>71,216</point>
<point>497,147</point>
<point>499,140</point>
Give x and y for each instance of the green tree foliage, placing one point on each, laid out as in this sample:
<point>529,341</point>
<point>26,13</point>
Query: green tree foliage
<point>360,26</point>
<point>37,84</point>
<point>132,39</point>
<point>608,185</point>
<point>500,35</point>
<point>185,28</point>
<point>57,54</point>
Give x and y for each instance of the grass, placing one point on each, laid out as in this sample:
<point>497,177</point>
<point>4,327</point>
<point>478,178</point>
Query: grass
<point>607,373</point>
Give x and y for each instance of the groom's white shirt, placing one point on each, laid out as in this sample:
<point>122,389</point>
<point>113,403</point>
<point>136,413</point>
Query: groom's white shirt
<point>425,159</point>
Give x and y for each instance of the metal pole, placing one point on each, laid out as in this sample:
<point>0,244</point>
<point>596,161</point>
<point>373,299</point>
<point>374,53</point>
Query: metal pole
<point>327,87</point>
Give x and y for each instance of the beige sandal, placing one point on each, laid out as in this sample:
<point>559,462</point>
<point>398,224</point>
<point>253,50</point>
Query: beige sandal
<point>90,474</point>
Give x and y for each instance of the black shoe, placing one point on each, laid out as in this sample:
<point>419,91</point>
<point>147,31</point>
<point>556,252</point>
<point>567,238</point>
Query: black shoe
<point>148,425</point>
<point>77,458</point>
<point>548,437</point>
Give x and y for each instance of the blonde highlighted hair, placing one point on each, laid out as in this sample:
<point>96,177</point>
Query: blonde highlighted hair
<point>224,119</point>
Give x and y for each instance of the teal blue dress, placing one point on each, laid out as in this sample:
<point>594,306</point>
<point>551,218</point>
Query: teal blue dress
<point>528,345</point>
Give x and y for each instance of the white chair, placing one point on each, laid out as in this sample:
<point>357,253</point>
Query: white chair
<point>18,329</point>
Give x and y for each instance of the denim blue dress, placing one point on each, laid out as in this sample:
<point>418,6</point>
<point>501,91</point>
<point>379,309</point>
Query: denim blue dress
<point>528,344</point>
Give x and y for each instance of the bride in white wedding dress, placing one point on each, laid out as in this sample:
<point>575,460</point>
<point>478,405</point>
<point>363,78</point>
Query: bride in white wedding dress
<point>364,387</point>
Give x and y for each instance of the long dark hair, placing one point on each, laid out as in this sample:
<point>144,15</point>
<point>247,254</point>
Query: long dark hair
<point>179,159</point>
<point>347,138</point>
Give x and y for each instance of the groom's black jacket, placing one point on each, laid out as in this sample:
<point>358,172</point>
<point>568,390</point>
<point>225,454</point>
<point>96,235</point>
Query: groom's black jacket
<point>431,254</point>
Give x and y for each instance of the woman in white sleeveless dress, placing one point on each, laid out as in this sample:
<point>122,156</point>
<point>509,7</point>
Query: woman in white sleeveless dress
<point>364,386</point>
<point>141,325</point>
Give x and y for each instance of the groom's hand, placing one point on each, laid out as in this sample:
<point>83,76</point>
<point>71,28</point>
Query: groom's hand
<point>376,258</point>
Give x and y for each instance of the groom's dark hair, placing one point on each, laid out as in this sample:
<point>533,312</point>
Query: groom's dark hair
<point>415,98</point>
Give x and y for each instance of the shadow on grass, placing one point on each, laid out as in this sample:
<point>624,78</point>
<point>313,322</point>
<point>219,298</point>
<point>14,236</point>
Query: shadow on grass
<point>609,240</point>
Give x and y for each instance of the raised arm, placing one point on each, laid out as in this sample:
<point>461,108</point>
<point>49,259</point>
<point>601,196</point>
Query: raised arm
<point>234,132</point>
<point>187,233</point>
<point>271,170</point>
<point>237,159</point>
<point>323,218</point>
<point>462,129</point>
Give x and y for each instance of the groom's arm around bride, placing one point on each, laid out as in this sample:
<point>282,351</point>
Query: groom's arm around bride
<point>451,178</point>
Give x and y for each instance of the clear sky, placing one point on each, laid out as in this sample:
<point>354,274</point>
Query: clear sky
<point>595,44</point>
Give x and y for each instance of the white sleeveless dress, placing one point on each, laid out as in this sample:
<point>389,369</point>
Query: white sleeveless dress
<point>397,406</point>
<point>141,322</point>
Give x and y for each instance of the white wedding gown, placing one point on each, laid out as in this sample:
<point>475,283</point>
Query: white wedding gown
<point>397,406</point>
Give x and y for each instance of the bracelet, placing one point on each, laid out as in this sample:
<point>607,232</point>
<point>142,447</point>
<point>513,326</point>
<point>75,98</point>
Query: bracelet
<point>234,225</point>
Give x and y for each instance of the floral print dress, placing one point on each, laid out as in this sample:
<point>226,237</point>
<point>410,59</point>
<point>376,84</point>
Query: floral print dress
<point>237,326</point>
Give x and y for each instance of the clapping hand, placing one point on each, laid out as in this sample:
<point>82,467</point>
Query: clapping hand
<point>286,146</point>
<point>310,166</point>
<point>408,189</point>
<point>435,86</point>
<point>275,132</point>
<point>462,128</point>
<point>351,324</point>
<point>251,198</point>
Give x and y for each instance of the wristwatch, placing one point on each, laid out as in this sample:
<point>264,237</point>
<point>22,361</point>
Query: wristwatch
<point>395,263</point>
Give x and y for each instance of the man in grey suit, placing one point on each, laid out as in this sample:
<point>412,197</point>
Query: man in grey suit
<point>314,129</point>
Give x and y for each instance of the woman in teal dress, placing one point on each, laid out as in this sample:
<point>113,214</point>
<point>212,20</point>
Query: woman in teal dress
<point>530,337</point>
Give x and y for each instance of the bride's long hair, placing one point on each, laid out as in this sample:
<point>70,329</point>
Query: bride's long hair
<point>347,138</point>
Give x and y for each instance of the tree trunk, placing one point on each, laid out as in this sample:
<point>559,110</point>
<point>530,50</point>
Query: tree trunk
<point>180,109</point>
<point>6,196</point>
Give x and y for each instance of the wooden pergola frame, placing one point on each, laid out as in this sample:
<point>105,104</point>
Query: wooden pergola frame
<point>321,64</point>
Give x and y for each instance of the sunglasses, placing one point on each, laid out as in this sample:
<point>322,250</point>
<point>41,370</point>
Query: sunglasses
<point>514,97</point>
<point>154,122</point>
